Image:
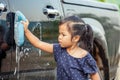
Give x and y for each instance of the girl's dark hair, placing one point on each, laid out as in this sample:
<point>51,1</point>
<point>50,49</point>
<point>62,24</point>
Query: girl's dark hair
<point>76,26</point>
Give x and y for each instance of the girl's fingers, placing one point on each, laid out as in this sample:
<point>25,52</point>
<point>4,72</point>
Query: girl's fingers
<point>25,23</point>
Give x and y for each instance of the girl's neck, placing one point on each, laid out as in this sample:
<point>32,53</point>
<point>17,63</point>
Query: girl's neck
<point>76,51</point>
<point>73,49</point>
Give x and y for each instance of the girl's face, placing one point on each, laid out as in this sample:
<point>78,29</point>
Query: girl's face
<point>64,37</point>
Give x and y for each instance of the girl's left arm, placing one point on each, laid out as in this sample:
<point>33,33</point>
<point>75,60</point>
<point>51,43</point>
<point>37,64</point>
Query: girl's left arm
<point>95,76</point>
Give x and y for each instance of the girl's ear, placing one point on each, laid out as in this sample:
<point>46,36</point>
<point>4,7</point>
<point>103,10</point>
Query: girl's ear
<point>76,38</point>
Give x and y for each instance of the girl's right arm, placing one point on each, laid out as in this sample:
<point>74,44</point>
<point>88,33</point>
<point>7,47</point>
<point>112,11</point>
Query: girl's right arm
<point>35,41</point>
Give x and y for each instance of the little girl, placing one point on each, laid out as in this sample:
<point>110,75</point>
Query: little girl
<point>72,53</point>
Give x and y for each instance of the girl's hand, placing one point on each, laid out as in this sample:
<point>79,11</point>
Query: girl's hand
<point>25,23</point>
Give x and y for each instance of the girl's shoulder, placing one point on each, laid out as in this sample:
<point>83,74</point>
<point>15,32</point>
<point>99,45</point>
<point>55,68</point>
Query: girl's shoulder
<point>88,64</point>
<point>56,47</point>
<point>86,58</point>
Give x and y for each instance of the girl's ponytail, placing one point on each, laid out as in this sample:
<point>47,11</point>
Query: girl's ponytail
<point>86,40</point>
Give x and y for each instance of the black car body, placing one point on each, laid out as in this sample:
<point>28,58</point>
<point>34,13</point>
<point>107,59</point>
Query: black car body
<point>44,16</point>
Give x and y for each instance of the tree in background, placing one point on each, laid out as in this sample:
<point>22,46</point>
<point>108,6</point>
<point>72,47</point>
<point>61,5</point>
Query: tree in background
<point>102,0</point>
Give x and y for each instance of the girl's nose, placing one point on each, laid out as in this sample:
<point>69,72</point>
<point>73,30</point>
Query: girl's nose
<point>59,37</point>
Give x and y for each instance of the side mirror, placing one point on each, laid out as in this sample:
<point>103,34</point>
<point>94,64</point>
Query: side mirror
<point>3,8</point>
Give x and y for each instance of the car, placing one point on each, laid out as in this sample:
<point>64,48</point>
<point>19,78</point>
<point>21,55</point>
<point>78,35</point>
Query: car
<point>44,15</point>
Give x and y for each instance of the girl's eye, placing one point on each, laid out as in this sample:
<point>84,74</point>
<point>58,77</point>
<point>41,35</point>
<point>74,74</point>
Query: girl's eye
<point>63,34</point>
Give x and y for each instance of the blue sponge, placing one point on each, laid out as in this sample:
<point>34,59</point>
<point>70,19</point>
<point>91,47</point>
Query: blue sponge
<point>19,28</point>
<point>20,16</point>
